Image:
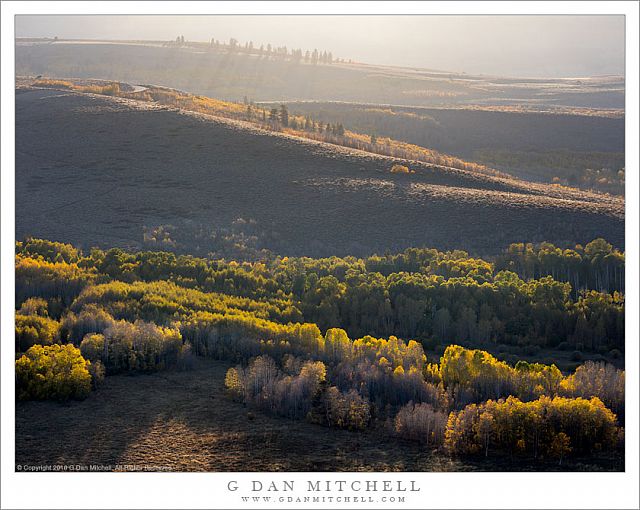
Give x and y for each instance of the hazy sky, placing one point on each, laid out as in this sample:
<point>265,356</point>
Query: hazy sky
<point>503,45</point>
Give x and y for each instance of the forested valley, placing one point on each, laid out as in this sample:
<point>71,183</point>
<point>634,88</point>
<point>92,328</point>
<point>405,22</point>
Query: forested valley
<point>519,356</point>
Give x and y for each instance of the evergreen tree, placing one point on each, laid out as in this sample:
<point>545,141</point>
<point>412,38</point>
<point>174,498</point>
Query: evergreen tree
<point>284,115</point>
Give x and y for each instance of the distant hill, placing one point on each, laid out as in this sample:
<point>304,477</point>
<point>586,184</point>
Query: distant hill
<point>216,72</point>
<point>95,170</point>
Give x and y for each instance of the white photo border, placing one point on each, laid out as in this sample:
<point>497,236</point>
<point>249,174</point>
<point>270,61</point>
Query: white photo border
<point>210,490</point>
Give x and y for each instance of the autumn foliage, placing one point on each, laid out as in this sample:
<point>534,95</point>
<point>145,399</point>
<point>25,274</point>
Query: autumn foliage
<point>306,338</point>
<point>57,372</point>
<point>547,427</point>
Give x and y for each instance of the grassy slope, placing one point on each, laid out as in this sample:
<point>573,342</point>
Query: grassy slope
<point>256,117</point>
<point>95,171</point>
<point>528,144</point>
<point>464,130</point>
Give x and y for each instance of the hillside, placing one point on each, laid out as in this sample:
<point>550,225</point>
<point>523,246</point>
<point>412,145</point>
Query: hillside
<point>464,130</point>
<point>219,72</point>
<point>96,170</point>
<point>583,148</point>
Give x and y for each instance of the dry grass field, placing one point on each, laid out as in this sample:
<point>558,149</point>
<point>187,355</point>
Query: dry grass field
<point>101,171</point>
<point>183,421</point>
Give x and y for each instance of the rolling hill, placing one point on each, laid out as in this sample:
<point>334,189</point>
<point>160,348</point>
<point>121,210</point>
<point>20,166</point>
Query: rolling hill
<point>103,171</point>
<point>231,74</point>
<point>583,148</point>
